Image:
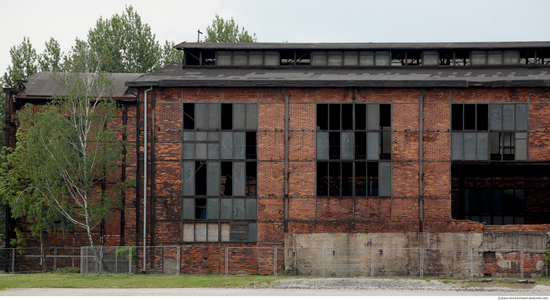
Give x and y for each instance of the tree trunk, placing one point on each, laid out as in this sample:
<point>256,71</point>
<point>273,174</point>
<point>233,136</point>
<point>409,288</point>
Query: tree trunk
<point>103,267</point>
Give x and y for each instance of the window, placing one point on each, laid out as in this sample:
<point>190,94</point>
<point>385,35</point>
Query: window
<point>489,132</point>
<point>219,172</point>
<point>494,206</point>
<point>353,150</point>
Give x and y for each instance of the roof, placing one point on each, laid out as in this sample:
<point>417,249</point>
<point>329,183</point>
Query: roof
<point>42,85</point>
<point>176,76</point>
<point>360,46</point>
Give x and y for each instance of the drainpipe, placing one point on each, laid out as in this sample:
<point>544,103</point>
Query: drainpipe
<point>286,159</point>
<point>145,178</point>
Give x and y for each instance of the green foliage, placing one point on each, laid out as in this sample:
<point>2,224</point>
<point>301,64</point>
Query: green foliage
<point>170,55</point>
<point>19,241</point>
<point>24,62</point>
<point>126,252</point>
<point>125,44</point>
<point>51,59</point>
<point>223,31</point>
<point>545,272</point>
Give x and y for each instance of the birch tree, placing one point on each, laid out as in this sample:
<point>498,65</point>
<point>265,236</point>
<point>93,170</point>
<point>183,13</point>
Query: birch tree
<point>67,148</point>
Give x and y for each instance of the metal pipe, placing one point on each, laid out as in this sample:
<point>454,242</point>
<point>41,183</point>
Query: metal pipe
<point>145,176</point>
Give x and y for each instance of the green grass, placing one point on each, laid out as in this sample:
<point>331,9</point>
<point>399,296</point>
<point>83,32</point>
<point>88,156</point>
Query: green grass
<point>125,281</point>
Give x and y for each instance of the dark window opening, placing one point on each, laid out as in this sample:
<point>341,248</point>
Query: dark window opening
<point>360,179</point>
<point>445,58</point>
<point>334,145</point>
<point>226,178</point>
<point>334,116</point>
<point>457,117</point>
<point>372,182</point>
<point>482,117</point>
<point>334,179</point>
<point>192,58</point>
<point>200,209</point>
<point>200,178</point>
<point>494,206</point>
<point>322,178</point>
<point>287,57</point>
<point>385,116</point>
<point>322,116</point>
<point>208,58</point>
<point>360,116</point>
<point>188,116</point>
<point>251,152</point>
<point>360,145</point>
<point>227,116</point>
<point>502,145</point>
<point>347,116</point>
<point>303,58</point>
<point>469,116</point>
<point>251,178</point>
<point>347,179</point>
<point>385,148</point>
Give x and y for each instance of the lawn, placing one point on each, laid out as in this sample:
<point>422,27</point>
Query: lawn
<point>126,281</point>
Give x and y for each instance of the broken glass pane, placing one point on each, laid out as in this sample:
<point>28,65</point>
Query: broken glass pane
<point>238,116</point>
<point>212,208</point>
<point>457,142</point>
<point>239,145</point>
<point>251,116</point>
<point>251,209</point>
<point>213,177</point>
<point>384,183</point>
<point>347,145</point>
<point>213,116</point>
<point>201,116</point>
<point>189,178</point>
<point>227,145</point>
<point>238,178</point>
<point>188,208</point>
<point>226,210</point>
<point>238,208</point>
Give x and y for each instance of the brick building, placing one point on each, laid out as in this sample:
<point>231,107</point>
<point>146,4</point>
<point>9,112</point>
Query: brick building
<point>436,145</point>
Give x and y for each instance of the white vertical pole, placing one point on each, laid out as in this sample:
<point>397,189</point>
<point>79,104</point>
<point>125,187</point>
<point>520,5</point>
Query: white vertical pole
<point>13,261</point>
<point>371,262</point>
<point>472,263</point>
<point>54,259</point>
<point>179,260</point>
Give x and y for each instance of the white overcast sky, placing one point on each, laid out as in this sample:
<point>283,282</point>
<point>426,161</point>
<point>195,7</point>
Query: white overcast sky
<point>285,20</point>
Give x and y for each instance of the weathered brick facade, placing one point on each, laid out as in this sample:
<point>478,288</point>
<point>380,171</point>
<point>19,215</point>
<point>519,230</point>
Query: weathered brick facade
<point>427,187</point>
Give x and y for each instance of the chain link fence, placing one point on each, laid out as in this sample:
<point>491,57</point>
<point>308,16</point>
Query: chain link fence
<point>338,262</point>
<point>34,260</point>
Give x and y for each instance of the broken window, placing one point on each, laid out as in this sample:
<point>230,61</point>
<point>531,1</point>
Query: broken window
<point>219,170</point>
<point>494,206</point>
<point>483,131</point>
<point>352,142</point>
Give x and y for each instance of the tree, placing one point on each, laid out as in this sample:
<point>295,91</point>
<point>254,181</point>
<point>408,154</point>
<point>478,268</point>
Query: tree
<point>170,55</point>
<point>223,31</point>
<point>125,44</point>
<point>66,148</point>
<point>24,62</point>
<point>51,59</point>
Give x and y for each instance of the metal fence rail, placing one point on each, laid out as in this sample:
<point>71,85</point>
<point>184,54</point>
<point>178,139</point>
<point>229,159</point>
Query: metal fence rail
<point>339,262</point>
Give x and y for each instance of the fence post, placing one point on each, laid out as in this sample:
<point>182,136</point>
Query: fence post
<point>13,261</point>
<point>521,263</point>
<point>372,262</point>
<point>472,263</point>
<point>54,259</point>
<point>116,259</point>
<point>275,262</point>
<point>323,268</point>
<point>421,262</point>
<point>130,250</point>
<point>73,257</point>
<point>179,260</point>
<point>226,262</point>
<point>295,261</point>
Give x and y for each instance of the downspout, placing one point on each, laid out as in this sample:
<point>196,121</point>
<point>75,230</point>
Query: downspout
<point>145,177</point>
<point>421,164</point>
<point>286,160</point>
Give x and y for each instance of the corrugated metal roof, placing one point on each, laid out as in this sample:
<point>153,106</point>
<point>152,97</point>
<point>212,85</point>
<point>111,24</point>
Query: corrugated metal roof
<point>360,46</point>
<point>176,76</point>
<point>41,85</point>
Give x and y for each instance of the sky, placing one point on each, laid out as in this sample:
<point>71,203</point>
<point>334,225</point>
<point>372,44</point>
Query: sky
<point>284,20</point>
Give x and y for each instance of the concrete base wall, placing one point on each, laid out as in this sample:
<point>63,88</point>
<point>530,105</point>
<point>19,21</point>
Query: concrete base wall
<point>495,253</point>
